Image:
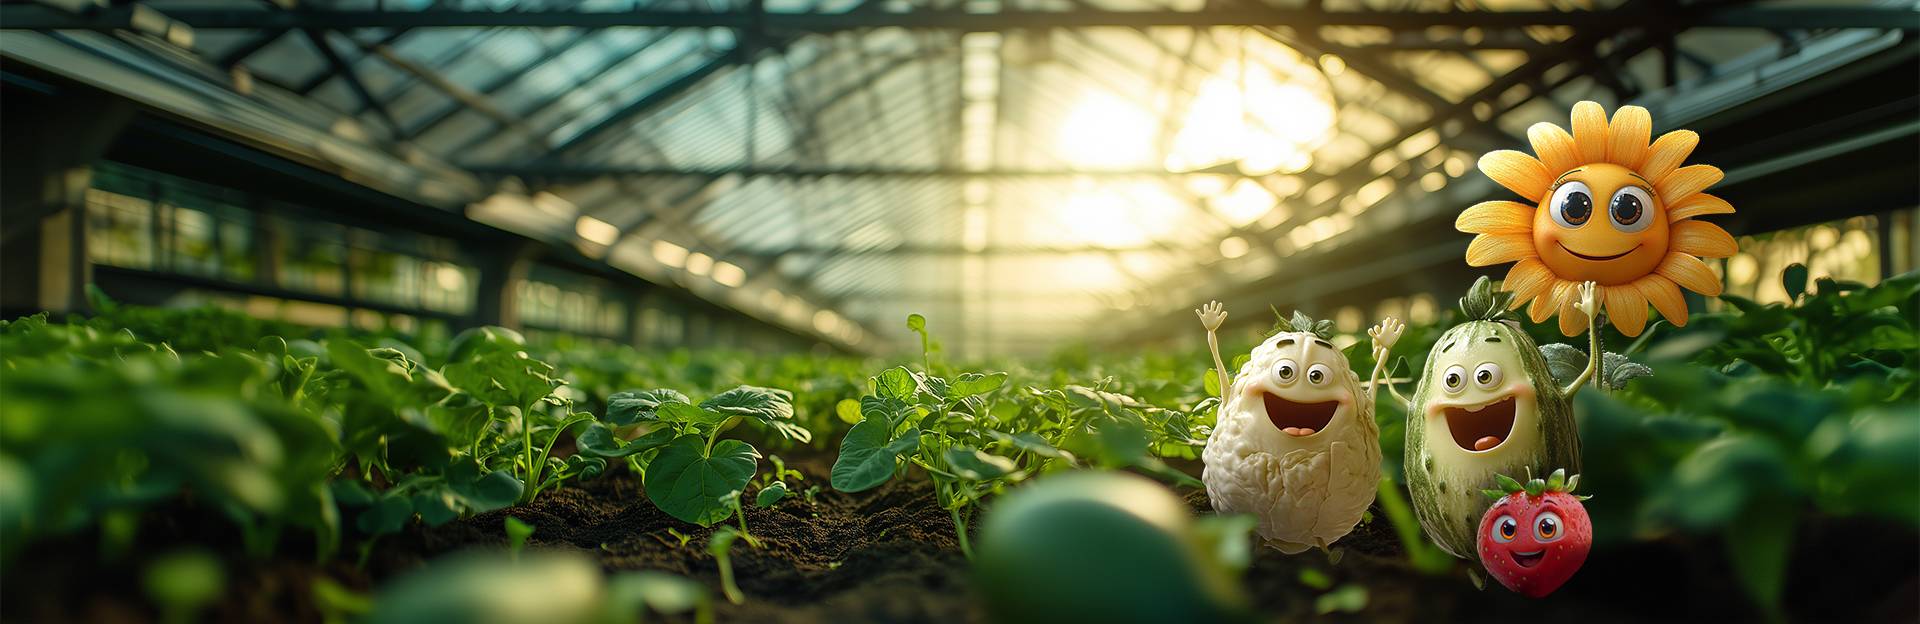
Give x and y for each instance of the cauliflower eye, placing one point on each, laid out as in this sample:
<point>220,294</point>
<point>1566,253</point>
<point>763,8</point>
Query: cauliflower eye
<point>1318,374</point>
<point>1286,371</point>
<point>1547,527</point>
<point>1505,529</point>
<point>1455,379</point>
<point>1487,375</point>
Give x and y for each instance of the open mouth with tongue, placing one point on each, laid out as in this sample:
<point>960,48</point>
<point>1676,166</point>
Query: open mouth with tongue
<point>1299,419</point>
<point>1481,428</point>
<point>1528,559</point>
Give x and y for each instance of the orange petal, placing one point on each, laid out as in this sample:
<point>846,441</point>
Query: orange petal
<point>1632,128</point>
<point>1496,217</point>
<point>1665,297</point>
<point>1543,306</point>
<point>1690,273</point>
<point>1571,320</point>
<point>1518,172</point>
<point>1700,204</point>
<point>1527,280</point>
<point>1667,153</point>
<point>1703,239</point>
<point>1554,146</point>
<point>1590,131</point>
<point>1491,249</point>
<point>1686,182</point>
<point>1626,307</point>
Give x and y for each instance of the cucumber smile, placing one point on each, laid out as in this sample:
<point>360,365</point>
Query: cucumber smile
<point>1481,429</point>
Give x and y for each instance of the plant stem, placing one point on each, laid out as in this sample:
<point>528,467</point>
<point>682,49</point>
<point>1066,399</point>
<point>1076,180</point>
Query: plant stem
<point>960,529</point>
<point>526,442</point>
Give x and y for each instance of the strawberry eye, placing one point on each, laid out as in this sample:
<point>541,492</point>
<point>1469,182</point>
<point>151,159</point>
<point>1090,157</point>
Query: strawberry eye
<point>1505,529</point>
<point>1547,527</point>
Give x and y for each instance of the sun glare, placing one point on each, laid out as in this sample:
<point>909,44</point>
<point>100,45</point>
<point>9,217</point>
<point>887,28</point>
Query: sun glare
<point>1106,132</point>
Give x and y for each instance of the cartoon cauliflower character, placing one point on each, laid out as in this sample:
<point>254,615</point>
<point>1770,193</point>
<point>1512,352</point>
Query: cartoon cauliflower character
<point>1536,535</point>
<point>1602,206</point>
<point>1296,445</point>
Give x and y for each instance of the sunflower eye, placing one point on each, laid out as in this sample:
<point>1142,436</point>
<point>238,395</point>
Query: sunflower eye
<point>1455,379</point>
<point>1571,205</point>
<point>1547,527</point>
<point>1631,209</point>
<point>1505,529</point>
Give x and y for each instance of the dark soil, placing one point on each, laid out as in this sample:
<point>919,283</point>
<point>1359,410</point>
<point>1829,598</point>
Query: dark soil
<point>890,555</point>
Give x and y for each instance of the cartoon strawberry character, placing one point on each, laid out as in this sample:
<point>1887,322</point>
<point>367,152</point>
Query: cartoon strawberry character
<point>1535,536</point>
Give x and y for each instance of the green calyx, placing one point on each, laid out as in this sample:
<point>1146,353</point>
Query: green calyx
<point>1558,482</point>
<point>1484,302</point>
<point>1300,322</point>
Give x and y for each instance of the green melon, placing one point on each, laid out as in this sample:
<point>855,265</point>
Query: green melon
<point>1445,480</point>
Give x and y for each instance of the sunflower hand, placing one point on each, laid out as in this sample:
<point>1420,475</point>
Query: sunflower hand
<point>1589,301</point>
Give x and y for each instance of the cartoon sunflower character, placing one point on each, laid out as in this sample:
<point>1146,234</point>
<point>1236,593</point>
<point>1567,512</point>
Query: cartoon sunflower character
<point>1296,445</point>
<point>1603,206</point>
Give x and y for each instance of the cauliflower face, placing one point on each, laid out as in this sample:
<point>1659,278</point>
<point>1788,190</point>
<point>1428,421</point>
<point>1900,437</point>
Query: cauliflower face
<point>1302,386</point>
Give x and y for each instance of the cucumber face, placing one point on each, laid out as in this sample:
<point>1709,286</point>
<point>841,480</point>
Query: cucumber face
<point>1486,405</point>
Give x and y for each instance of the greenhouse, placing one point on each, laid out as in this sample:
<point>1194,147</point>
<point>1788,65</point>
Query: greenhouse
<point>610,311</point>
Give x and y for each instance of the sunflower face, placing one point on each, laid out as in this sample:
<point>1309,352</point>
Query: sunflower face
<point>1601,223</point>
<point>1603,204</point>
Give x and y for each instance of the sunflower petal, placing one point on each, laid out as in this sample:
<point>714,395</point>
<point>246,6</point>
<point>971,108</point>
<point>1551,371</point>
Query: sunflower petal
<point>1518,172</point>
<point>1686,182</point>
<point>1544,305</point>
<point>1626,307</point>
<point>1631,129</point>
<point>1571,320</point>
<point>1701,204</point>
<point>1554,146</point>
<point>1691,273</point>
<point>1665,297</point>
<point>1496,217</point>
<point>1590,131</point>
<point>1667,153</point>
<point>1703,239</point>
<point>1529,279</point>
<point>1492,249</point>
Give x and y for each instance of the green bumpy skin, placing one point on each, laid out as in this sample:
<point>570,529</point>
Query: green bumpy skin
<point>1445,477</point>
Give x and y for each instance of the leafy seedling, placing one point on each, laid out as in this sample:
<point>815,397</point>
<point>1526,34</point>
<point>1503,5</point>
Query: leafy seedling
<point>719,546</point>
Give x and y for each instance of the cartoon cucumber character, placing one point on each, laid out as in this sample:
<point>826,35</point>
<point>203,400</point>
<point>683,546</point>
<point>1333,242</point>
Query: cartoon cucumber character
<point>1487,405</point>
<point>1296,445</point>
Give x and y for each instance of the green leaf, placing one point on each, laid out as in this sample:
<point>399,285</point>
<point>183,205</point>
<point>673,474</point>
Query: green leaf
<point>1620,370</point>
<point>693,485</point>
<point>771,494</point>
<point>1316,579</point>
<point>1757,546</point>
<point>762,404</point>
<point>1349,598</point>
<point>1211,381</point>
<point>848,410</point>
<point>517,533</point>
<point>436,506</point>
<point>503,381</point>
<point>664,593</point>
<point>632,406</point>
<point>975,465</point>
<point>687,413</point>
<point>1794,280</point>
<point>896,383</point>
<point>868,455</point>
<point>1565,362</point>
<point>1032,443</point>
<point>916,322</point>
<point>599,440</point>
<point>494,490</point>
<point>974,384</point>
<point>386,515</point>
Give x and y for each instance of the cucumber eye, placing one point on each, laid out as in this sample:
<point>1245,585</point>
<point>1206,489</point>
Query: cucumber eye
<point>1487,375</point>
<point>1547,527</point>
<point>1455,379</point>
<point>1318,374</point>
<point>1286,371</point>
<point>1505,529</point>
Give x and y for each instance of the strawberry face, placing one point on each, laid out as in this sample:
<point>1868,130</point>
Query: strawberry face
<point>1533,539</point>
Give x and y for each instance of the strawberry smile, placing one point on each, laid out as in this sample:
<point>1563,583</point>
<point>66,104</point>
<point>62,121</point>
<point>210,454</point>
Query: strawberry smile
<point>1597,258</point>
<point>1529,559</point>
<point>1298,419</point>
<point>1482,428</point>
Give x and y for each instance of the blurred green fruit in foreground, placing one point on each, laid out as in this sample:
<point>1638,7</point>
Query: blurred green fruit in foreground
<point>1100,547</point>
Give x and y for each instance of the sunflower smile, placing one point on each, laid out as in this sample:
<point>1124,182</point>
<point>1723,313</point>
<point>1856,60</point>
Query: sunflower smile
<point>1582,256</point>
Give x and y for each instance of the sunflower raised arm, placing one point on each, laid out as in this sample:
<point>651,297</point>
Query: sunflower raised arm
<point>1211,316</point>
<point>1589,306</point>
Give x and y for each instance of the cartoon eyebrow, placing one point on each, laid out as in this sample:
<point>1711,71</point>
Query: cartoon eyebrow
<point>1322,343</point>
<point>1563,176</point>
<point>1493,339</point>
<point>1446,347</point>
<point>1636,176</point>
<point>1284,342</point>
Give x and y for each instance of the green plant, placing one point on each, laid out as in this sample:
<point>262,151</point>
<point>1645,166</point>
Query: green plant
<point>689,471</point>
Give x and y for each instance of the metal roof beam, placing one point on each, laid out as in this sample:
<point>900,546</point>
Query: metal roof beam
<point>35,17</point>
<point>589,171</point>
